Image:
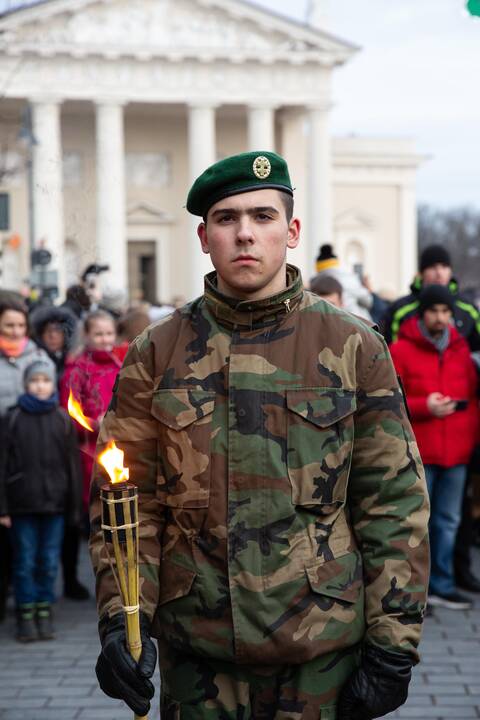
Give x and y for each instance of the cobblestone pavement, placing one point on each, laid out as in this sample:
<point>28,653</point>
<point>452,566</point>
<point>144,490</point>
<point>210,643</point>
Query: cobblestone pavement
<point>56,681</point>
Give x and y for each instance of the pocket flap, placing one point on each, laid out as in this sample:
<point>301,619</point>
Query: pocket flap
<point>322,406</point>
<point>178,408</point>
<point>341,578</point>
<point>175,581</point>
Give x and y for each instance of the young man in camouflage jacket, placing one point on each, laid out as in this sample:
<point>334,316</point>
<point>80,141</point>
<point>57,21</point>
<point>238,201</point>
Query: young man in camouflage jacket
<point>282,500</point>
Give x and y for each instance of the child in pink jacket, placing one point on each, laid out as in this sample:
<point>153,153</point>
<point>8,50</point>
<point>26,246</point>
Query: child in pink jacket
<point>91,376</point>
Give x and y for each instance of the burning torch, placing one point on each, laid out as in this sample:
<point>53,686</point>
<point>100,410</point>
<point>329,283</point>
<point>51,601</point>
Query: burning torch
<point>119,500</point>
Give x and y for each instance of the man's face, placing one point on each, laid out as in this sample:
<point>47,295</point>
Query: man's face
<point>247,237</point>
<point>438,274</point>
<point>437,318</point>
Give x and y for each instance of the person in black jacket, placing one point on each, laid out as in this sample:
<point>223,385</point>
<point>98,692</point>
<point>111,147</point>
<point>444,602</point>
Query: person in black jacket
<point>40,486</point>
<point>56,330</point>
<point>435,269</point>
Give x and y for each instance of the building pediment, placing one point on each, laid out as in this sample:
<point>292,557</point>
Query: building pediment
<point>179,29</point>
<point>353,220</point>
<point>145,214</point>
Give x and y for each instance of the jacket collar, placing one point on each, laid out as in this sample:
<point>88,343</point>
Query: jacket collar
<point>417,286</point>
<point>251,314</point>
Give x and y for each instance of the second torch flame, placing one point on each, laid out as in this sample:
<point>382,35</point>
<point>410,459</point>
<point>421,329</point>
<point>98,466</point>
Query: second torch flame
<point>112,461</point>
<point>75,411</point>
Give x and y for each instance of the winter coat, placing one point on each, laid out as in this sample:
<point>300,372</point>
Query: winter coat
<point>67,321</point>
<point>11,373</point>
<point>465,315</point>
<point>282,498</point>
<point>40,467</point>
<point>90,376</point>
<point>442,441</point>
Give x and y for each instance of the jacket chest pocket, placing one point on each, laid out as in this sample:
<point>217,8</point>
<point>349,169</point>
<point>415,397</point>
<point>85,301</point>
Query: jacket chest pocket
<point>185,428</point>
<point>320,444</point>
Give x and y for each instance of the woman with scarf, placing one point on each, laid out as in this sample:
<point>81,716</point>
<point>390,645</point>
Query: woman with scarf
<point>17,351</point>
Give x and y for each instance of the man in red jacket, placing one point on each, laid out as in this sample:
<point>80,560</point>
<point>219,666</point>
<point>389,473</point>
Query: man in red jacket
<point>440,382</point>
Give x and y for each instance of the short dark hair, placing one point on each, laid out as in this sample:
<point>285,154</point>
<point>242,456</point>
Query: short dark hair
<point>78,294</point>
<point>287,202</point>
<point>322,284</point>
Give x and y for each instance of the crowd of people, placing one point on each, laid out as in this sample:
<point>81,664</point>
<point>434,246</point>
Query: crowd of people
<point>434,339</point>
<point>49,351</point>
<point>46,353</point>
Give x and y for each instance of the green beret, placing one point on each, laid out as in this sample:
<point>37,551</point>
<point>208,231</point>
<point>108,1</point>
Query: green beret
<point>238,174</point>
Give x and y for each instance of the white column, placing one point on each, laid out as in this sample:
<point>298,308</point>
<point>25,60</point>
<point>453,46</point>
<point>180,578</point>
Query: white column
<point>201,153</point>
<point>111,211</point>
<point>261,127</point>
<point>320,223</point>
<point>47,182</point>
<point>293,148</point>
<point>407,240</point>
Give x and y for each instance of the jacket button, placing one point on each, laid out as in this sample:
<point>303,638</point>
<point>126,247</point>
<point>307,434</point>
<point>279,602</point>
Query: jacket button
<point>242,412</point>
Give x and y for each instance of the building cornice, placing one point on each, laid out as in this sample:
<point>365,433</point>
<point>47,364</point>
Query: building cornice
<point>305,44</point>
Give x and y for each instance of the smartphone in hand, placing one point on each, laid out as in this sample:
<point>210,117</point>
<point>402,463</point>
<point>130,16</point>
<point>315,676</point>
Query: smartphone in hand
<point>460,405</point>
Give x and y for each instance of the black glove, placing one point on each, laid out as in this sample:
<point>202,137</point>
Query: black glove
<point>379,686</point>
<point>118,674</point>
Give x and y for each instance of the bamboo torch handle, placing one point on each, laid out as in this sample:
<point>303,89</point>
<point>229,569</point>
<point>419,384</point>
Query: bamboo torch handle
<point>134,640</point>
<point>127,574</point>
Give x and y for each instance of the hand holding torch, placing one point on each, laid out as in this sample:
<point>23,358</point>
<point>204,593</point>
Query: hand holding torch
<point>119,500</point>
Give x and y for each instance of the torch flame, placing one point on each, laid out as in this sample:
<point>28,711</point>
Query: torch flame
<point>112,461</point>
<point>75,410</point>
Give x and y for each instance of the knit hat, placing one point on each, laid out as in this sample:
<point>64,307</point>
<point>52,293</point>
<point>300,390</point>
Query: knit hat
<point>326,258</point>
<point>37,367</point>
<point>435,295</point>
<point>434,254</point>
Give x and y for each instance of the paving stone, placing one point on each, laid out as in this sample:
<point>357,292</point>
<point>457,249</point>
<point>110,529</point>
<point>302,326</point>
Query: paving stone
<point>43,714</point>
<point>56,680</point>
<point>436,712</point>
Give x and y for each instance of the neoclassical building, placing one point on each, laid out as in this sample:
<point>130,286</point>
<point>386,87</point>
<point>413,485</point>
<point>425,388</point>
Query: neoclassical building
<point>129,100</point>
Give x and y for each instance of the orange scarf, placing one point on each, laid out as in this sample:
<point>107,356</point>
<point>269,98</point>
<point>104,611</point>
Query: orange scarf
<point>12,348</point>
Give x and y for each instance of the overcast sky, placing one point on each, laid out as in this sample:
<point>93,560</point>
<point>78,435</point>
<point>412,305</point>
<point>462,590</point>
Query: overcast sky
<point>417,75</point>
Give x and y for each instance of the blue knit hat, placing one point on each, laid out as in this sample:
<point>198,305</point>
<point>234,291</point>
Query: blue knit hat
<point>39,367</point>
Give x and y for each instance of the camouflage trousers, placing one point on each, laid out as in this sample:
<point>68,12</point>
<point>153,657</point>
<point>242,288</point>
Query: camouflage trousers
<point>198,688</point>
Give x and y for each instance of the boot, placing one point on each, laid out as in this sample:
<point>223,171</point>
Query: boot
<point>44,621</point>
<point>26,630</point>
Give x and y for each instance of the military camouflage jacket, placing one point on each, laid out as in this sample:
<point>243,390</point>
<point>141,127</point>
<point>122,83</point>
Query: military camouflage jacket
<point>282,498</point>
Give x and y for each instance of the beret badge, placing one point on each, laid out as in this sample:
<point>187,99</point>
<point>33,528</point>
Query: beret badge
<point>261,167</point>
